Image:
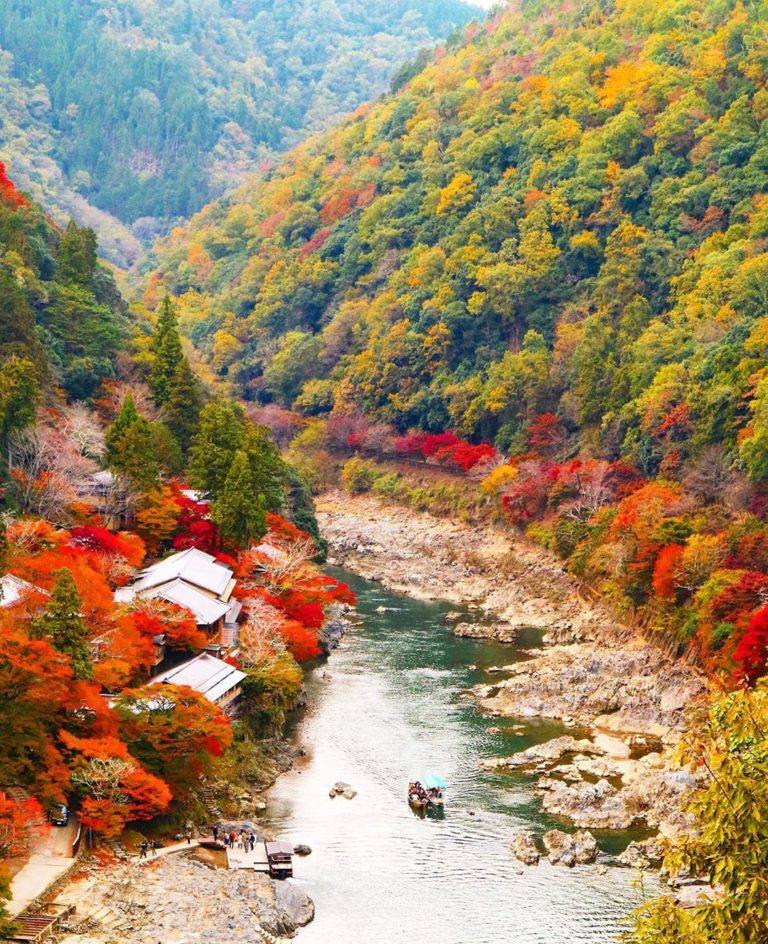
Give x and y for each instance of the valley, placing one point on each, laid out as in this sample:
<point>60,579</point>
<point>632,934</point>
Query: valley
<point>383,398</point>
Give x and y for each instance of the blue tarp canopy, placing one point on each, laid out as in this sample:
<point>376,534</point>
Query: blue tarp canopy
<point>432,781</point>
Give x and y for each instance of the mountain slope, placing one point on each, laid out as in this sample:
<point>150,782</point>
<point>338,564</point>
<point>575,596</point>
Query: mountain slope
<point>154,108</point>
<point>60,311</point>
<point>566,215</point>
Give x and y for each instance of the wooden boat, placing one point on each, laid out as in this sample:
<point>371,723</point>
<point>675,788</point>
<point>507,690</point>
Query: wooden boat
<point>416,796</point>
<point>280,858</point>
<point>427,795</point>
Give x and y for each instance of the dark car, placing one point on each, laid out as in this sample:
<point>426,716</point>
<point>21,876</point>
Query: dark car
<point>59,815</point>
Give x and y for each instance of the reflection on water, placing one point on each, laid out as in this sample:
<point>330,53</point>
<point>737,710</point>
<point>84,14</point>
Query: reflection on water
<point>391,712</point>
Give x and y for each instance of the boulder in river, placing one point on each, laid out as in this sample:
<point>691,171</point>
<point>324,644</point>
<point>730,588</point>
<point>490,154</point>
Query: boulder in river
<point>342,789</point>
<point>570,850</point>
<point>596,805</point>
<point>294,907</point>
<point>300,849</point>
<point>645,854</point>
<point>548,752</point>
<point>523,846</point>
<point>501,632</point>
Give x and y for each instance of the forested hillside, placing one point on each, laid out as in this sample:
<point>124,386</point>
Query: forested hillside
<point>147,110</point>
<point>551,241</point>
<point>542,264</point>
<point>62,319</point>
<point>103,429</point>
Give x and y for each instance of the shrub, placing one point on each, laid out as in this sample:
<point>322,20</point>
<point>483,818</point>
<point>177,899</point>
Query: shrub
<point>358,476</point>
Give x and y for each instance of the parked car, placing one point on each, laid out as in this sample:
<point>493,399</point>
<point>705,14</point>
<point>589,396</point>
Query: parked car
<point>59,815</point>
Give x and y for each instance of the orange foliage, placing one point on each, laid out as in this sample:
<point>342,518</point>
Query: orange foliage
<point>126,651</point>
<point>645,506</point>
<point>158,617</point>
<point>301,641</point>
<point>32,535</point>
<point>84,566</point>
<point>158,516</point>
<point>173,730</point>
<point>667,564</point>
<point>35,687</point>
<point>19,823</point>
<point>8,192</point>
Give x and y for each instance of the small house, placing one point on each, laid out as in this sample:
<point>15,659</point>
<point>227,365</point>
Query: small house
<point>218,681</point>
<point>197,582</point>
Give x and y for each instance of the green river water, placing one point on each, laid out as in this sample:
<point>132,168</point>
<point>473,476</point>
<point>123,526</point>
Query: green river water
<point>387,708</point>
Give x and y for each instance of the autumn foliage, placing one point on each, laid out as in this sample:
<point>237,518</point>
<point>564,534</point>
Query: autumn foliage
<point>8,192</point>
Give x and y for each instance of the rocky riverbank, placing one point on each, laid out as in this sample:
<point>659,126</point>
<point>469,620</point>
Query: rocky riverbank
<point>631,701</point>
<point>182,900</point>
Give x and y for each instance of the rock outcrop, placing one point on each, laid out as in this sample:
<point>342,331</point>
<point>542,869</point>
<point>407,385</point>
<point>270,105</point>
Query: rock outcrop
<point>524,848</point>
<point>565,849</point>
<point>342,789</point>
<point>178,900</point>
<point>549,751</point>
<point>501,632</point>
<point>645,854</point>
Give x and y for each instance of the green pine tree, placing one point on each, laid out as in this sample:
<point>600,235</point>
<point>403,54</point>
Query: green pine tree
<point>62,623</point>
<point>166,347</point>
<point>184,405</point>
<point>240,512</point>
<point>218,438</point>
<point>167,449</point>
<point>267,467</point>
<point>77,259</point>
<point>131,448</point>
<point>19,396</point>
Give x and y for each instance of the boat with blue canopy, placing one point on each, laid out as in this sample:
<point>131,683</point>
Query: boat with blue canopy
<point>427,793</point>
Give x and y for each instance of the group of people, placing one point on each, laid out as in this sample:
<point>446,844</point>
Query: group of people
<point>418,794</point>
<point>244,840</point>
<point>146,845</point>
<point>235,840</point>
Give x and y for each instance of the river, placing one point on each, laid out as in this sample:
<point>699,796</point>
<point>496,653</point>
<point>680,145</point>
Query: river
<point>387,708</point>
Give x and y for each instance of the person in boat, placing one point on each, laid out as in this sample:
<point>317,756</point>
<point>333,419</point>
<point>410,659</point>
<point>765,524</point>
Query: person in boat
<point>416,793</point>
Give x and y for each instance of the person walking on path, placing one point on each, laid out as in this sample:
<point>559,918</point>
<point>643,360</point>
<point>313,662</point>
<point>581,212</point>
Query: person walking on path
<point>189,835</point>
<point>143,849</point>
<point>252,841</point>
<point>155,847</point>
<point>232,839</point>
<point>215,833</point>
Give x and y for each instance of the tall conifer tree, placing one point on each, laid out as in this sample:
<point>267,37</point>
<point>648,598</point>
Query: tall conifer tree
<point>166,347</point>
<point>131,448</point>
<point>62,623</point>
<point>184,405</point>
<point>239,512</point>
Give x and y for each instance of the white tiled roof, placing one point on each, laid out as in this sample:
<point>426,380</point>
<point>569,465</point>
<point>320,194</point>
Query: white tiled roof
<point>270,550</point>
<point>206,674</point>
<point>206,610</point>
<point>193,565</point>
<point>235,609</point>
<point>15,589</point>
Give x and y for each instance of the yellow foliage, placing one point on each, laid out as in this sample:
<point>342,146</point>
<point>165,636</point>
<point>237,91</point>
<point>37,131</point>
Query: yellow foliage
<point>497,480</point>
<point>459,193</point>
